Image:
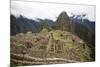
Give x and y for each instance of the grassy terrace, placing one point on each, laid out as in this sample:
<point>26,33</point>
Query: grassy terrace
<point>48,48</point>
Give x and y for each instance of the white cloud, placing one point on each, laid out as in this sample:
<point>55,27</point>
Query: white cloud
<point>45,10</point>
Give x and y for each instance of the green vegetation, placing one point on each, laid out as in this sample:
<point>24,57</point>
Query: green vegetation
<point>54,44</point>
<point>48,42</point>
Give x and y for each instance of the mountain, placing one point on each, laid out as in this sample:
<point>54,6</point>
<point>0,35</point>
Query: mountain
<point>46,23</point>
<point>85,30</point>
<point>87,23</point>
<point>63,22</point>
<point>22,25</point>
<point>42,41</point>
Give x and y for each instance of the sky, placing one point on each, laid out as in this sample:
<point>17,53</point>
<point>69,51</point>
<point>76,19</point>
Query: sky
<point>51,11</point>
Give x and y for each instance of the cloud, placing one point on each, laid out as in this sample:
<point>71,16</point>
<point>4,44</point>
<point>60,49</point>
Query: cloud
<point>45,10</point>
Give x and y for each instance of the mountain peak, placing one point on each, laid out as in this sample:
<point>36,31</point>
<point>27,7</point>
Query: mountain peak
<point>64,15</point>
<point>63,21</point>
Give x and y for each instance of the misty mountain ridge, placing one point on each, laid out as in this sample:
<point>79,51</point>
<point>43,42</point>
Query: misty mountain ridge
<point>48,21</point>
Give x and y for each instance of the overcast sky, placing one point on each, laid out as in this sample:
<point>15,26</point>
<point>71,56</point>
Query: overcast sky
<point>35,10</point>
